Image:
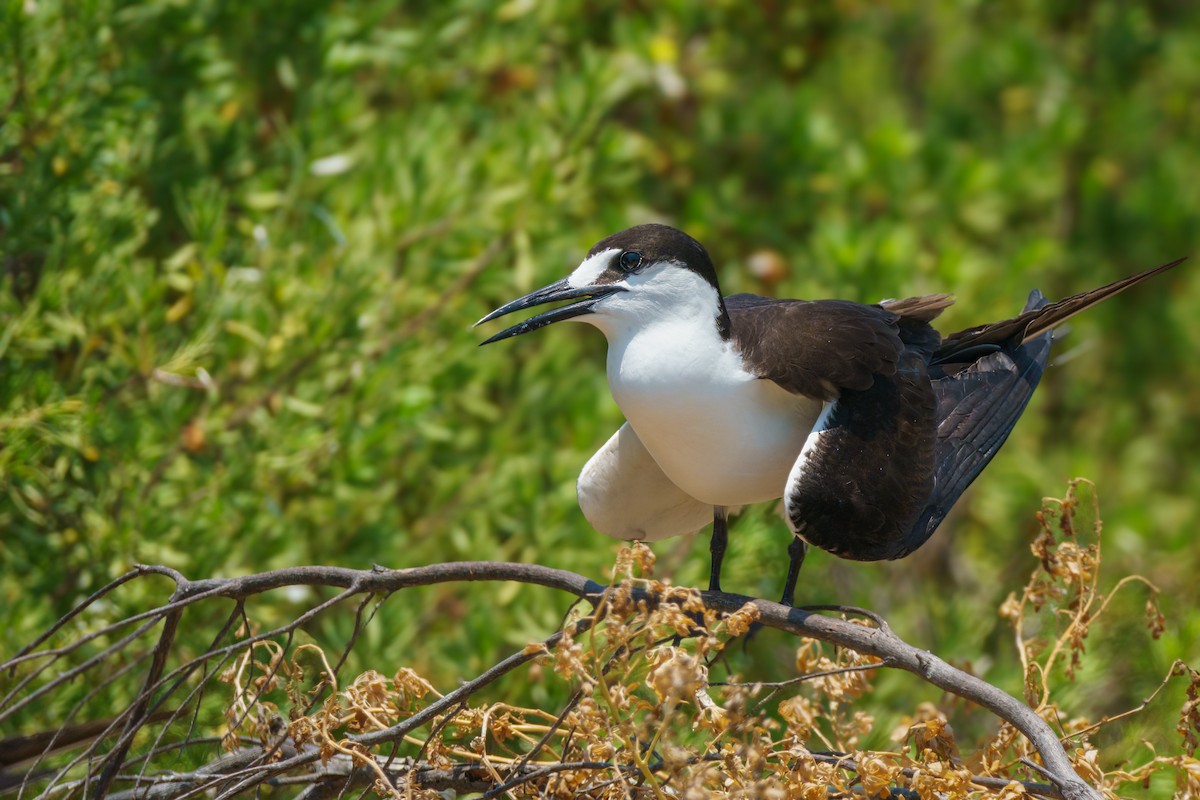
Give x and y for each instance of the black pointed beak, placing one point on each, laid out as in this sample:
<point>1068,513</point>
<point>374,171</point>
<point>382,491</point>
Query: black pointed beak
<point>559,290</point>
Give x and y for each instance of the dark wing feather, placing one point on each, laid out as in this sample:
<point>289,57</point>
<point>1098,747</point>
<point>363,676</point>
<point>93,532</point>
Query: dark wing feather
<point>860,488</point>
<point>817,348</point>
<point>983,378</point>
<point>1033,322</point>
<point>864,481</point>
<point>877,482</point>
<point>979,400</point>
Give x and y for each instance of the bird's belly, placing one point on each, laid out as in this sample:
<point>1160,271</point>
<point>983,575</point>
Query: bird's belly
<point>727,444</point>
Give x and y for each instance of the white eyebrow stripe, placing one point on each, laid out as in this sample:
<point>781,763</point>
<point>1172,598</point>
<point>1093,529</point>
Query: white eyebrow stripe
<point>591,268</point>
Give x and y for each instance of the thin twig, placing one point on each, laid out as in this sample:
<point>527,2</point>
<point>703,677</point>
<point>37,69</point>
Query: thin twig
<point>1139,707</point>
<point>139,711</point>
<point>70,615</point>
<point>808,676</point>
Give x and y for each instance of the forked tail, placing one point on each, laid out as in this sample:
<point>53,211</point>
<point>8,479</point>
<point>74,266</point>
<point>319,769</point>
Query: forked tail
<point>1032,323</point>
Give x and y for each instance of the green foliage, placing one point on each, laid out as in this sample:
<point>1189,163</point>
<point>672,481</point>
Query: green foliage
<point>242,246</point>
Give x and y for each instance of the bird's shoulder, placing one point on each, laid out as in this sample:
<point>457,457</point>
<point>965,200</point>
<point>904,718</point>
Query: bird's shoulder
<point>817,348</point>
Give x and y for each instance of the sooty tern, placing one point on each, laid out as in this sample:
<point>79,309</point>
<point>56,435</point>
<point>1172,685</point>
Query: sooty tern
<point>863,418</point>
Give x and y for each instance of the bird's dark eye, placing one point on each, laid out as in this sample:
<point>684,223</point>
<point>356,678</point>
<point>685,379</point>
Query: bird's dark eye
<point>629,261</point>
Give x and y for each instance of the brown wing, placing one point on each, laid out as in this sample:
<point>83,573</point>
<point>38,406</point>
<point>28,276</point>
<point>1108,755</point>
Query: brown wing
<point>817,348</point>
<point>979,401</point>
<point>859,486</point>
<point>861,483</point>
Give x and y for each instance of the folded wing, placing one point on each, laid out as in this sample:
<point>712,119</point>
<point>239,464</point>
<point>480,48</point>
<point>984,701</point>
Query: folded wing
<point>626,495</point>
<point>866,470</point>
<point>980,396</point>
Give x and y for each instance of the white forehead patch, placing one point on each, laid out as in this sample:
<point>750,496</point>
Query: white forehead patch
<point>591,268</point>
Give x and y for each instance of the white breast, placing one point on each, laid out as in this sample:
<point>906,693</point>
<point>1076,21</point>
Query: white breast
<point>722,435</point>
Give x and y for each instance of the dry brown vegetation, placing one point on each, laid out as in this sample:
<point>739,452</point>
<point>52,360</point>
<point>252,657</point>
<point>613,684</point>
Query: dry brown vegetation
<point>644,718</point>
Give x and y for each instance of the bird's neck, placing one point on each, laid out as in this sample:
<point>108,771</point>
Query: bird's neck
<point>668,361</point>
<point>668,336</point>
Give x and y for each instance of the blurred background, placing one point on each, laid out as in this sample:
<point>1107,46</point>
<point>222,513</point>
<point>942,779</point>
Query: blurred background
<point>243,246</point>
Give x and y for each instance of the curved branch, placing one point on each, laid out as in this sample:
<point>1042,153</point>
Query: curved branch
<point>884,643</point>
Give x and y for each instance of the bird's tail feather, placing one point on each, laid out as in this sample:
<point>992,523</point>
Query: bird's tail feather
<point>1033,323</point>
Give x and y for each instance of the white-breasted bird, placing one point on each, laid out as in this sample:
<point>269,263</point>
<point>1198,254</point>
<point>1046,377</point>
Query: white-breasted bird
<point>863,418</point>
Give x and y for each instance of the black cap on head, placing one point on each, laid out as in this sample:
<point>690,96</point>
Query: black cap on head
<point>657,243</point>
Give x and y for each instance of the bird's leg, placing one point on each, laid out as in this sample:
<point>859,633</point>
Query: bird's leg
<point>720,538</point>
<point>796,552</point>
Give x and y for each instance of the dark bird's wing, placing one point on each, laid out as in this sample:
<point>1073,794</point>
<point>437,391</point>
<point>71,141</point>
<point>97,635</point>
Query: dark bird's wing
<point>818,348</point>
<point>983,378</point>
<point>864,474</point>
<point>978,403</point>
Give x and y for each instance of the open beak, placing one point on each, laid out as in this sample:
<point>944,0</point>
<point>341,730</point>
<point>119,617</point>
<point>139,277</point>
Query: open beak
<point>586,296</point>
